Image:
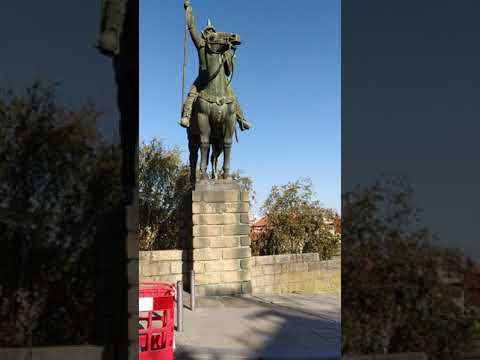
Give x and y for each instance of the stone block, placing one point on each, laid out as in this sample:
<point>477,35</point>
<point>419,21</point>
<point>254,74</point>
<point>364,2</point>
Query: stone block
<point>197,196</point>
<point>222,265</point>
<point>257,270</point>
<point>219,208</point>
<point>236,253</point>
<point>268,270</point>
<point>224,242</point>
<point>235,276</point>
<point>264,260</point>
<point>316,266</point>
<point>199,267</point>
<point>157,268</point>
<point>244,219</point>
<point>269,289</point>
<point>166,278</point>
<point>245,264</point>
<point>207,254</point>
<point>258,290</point>
<point>268,280</point>
<point>201,242</point>
<point>176,267</point>
<point>285,268</point>
<point>236,229</point>
<point>216,219</point>
<point>164,255</point>
<point>237,207</point>
<point>208,278</point>
<point>334,263</point>
<point>244,195</point>
<point>221,196</point>
<point>207,219</point>
<point>300,267</point>
<point>309,257</point>
<point>145,255</point>
<point>206,230</point>
<point>282,278</point>
<point>281,259</point>
<point>245,240</point>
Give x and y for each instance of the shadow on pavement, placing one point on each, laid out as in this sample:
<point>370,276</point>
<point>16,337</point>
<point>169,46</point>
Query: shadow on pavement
<point>297,335</point>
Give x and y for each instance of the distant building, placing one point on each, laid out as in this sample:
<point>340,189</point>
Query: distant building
<point>257,226</point>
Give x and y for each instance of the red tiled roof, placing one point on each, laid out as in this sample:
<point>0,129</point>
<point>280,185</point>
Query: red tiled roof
<point>260,222</point>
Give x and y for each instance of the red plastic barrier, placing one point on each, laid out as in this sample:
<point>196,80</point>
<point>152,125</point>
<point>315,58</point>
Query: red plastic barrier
<point>156,314</point>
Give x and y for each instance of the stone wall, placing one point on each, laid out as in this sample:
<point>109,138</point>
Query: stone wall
<point>294,273</point>
<point>164,265</point>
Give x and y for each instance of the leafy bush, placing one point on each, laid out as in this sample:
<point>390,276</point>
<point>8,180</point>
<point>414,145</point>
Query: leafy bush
<point>296,223</point>
<point>57,179</point>
<point>394,296</point>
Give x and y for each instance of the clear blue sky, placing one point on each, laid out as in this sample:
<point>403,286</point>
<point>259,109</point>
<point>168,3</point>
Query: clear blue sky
<point>287,79</point>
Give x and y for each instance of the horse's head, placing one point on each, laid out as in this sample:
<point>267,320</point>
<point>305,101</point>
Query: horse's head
<point>219,42</point>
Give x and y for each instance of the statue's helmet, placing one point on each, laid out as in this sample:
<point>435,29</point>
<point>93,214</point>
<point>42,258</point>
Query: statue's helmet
<point>209,26</point>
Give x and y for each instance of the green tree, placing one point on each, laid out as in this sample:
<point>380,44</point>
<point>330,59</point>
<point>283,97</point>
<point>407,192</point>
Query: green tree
<point>395,298</point>
<point>163,181</point>
<point>296,222</point>
<point>58,178</point>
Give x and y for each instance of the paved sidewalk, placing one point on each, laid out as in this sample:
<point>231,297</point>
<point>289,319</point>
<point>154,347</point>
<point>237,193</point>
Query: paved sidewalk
<point>289,326</point>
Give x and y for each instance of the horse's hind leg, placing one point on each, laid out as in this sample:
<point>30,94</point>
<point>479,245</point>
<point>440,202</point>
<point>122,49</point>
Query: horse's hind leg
<point>213,160</point>
<point>229,130</point>
<point>216,150</point>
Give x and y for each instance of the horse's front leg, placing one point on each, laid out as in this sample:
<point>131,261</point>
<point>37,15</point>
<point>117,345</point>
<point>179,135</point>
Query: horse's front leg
<point>204,127</point>
<point>227,140</point>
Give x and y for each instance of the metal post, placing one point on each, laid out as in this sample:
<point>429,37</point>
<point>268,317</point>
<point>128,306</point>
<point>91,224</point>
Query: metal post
<point>192,290</point>
<point>179,306</point>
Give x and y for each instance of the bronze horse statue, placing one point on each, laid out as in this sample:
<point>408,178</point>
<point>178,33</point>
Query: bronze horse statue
<point>215,109</point>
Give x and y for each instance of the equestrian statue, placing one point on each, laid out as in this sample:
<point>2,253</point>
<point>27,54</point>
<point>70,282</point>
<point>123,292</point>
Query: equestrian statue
<point>211,109</point>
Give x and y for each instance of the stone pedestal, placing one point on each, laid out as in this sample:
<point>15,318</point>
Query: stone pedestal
<point>220,239</point>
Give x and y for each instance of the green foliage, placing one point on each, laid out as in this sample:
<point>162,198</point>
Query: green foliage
<point>395,298</point>
<point>57,178</point>
<point>246,184</point>
<point>296,223</point>
<point>163,180</point>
